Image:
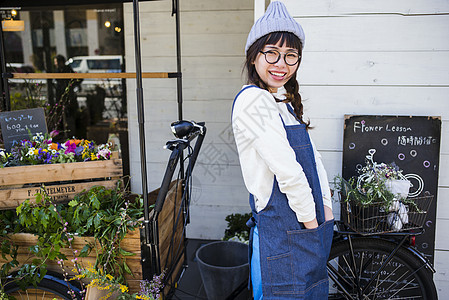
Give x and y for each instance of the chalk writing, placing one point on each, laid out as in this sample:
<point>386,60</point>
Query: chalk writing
<point>411,142</point>
<point>20,124</point>
<point>21,128</point>
<point>416,140</point>
<point>19,118</point>
<point>362,126</point>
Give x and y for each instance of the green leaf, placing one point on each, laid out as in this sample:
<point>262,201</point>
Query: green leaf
<point>97,220</point>
<point>126,253</point>
<point>73,203</point>
<point>89,222</point>
<point>127,269</point>
<point>85,251</point>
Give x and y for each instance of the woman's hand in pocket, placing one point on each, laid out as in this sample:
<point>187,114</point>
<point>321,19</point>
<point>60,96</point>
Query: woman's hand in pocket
<point>311,224</point>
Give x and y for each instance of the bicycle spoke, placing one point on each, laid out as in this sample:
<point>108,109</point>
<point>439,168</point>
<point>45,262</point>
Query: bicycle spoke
<point>370,272</point>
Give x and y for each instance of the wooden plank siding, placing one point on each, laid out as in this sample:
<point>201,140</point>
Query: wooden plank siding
<point>213,37</point>
<point>382,57</point>
<point>377,57</point>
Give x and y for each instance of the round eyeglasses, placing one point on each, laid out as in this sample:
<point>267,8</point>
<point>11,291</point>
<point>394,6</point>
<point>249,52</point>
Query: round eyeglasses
<point>273,56</point>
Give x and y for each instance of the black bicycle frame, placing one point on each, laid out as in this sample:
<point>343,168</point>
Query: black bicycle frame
<point>151,263</point>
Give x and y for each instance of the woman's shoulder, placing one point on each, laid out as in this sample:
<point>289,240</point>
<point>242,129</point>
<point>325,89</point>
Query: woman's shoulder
<point>253,93</point>
<point>252,98</point>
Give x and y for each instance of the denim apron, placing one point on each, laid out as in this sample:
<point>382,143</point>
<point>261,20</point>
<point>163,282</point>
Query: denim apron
<point>292,258</point>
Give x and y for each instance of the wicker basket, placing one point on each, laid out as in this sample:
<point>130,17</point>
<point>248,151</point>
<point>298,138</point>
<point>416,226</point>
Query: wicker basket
<point>375,219</point>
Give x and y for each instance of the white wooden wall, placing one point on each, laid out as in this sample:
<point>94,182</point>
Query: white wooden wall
<point>213,40</point>
<point>361,57</point>
<point>378,57</point>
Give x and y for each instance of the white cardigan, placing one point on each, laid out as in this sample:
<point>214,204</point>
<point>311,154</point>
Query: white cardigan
<point>264,151</point>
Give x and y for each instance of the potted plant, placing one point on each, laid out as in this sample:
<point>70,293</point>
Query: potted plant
<point>237,229</point>
<point>66,168</point>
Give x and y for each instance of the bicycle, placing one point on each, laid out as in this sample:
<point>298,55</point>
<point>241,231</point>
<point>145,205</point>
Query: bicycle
<point>173,260</point>
<point>377,263</point>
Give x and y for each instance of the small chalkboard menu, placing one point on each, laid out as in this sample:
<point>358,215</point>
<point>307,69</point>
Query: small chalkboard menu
<point>19,124</point>
<point>412,143</point>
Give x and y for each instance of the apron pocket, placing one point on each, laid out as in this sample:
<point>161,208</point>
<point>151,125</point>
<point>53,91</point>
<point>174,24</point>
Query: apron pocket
<point>280,268</point>
<point>311,249</point>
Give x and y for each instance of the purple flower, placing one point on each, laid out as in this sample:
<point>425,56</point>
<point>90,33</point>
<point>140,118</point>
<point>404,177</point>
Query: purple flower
<point>54,133</point>
<point>70,147</point>
<point>79,150</point>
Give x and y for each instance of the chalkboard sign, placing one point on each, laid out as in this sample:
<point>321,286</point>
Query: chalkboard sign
<point>412,143</point>
<point>17,125</point>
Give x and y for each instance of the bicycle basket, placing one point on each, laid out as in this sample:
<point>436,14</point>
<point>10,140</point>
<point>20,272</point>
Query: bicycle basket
<point>376,219</point>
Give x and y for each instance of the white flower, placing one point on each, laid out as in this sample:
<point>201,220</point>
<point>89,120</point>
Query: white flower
<point>104,153</point>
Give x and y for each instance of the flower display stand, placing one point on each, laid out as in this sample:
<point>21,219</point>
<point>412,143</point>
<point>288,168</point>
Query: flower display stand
<point>62,181</point>
<point>131,243</point>
<point>170,232</point>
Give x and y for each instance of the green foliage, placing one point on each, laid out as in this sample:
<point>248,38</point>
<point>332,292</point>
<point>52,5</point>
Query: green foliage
<point>7,247</point>
<point>21,101</point>
<point>237,228</point>
<point>370,192</point>
<point>106,214</point>
<point>30,95</point>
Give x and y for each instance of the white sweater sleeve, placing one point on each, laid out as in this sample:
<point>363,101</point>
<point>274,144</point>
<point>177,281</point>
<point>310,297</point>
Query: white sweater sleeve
<point>322,175</point>
<point>258,128</point>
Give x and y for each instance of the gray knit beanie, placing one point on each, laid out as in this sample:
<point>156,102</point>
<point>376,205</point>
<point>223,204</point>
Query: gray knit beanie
<point>276,18</point>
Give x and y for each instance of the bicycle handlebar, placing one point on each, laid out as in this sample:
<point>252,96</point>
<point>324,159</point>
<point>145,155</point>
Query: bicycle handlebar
<point>186,131</point>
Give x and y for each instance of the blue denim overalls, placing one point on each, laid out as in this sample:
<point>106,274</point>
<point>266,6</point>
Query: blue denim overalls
<point>293,259</point>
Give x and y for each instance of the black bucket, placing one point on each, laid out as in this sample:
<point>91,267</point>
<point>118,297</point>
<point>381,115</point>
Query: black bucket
<point>224,269</point>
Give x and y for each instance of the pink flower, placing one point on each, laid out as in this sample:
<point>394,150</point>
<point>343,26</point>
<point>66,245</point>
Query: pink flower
<point>54,133</point>
<point>70,147</point>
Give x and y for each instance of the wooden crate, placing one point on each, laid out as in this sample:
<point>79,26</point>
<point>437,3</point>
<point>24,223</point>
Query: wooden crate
<point>132,243</point>
<point>62,181</point>
<point>171,254</point>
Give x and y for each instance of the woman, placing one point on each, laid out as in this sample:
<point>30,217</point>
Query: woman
<point>292,221</point>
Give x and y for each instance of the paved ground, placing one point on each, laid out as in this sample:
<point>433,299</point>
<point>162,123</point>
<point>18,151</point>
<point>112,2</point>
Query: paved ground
<point>191,286</point>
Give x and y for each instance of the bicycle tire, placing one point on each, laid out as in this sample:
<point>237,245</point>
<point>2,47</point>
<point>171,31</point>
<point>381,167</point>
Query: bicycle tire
<point>48,288</point>
<point>404,277</point>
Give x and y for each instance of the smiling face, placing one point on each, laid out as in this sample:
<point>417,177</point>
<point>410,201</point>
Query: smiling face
<point>277,74</point>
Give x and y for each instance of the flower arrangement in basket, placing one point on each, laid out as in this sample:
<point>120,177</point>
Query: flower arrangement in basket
<point>42,149</point>
<point>377,199</point>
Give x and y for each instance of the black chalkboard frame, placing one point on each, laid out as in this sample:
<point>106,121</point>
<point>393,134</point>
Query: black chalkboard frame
<point>411,142</point>
<point>19,124</point>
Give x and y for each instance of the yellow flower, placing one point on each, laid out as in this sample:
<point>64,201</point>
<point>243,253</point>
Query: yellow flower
<point>123,288</point>
<point>94,283</point>
<point>107,296</point>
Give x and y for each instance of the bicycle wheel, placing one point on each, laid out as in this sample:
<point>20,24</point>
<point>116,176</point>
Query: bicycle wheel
<point>49,288</point>
<point>404,277</point>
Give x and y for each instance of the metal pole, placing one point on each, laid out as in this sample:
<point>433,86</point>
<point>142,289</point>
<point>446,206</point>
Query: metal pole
<point>178,57</point>
<point>141,120</point>
<point>6,102</point>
